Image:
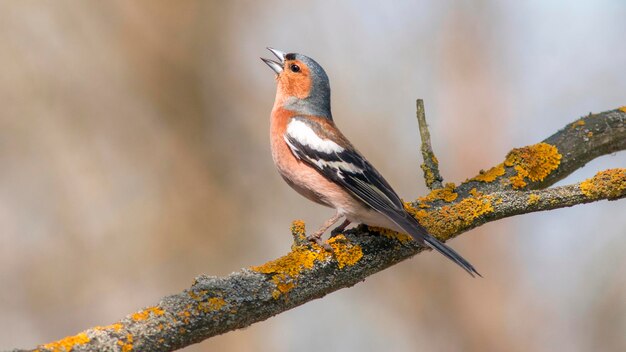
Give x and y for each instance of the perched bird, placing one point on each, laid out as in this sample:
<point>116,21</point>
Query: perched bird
<point>320,163</point>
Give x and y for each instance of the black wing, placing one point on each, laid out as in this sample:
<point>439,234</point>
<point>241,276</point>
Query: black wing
<point>345,166</point>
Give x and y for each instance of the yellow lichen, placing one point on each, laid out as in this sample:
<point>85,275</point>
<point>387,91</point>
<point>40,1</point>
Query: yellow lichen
<point>532,163</point>
<point>399,236</point>
<point>145,314</point>
<point>208,305</point>
<point>185,315</point>
<point>276,294</point>
<point>429,177</point>
<point>298,230</point>
<point>211,305</point>
<point>216,303</point>
<point>445,221</point>
<point>68,343</point>
<point>589,134</point>
<point>446,194</point>
<point>197,295</point>
<point>115,327</point>
<point>127,345</point>
<point>533,199</point>
<point>451,219</point>
<point>475,193</point>
<point>403,238</point>
<point>578,123</point>
<point>286,269</point>
<point>490,175</point>
<point>609,184</point>
<point>346,254</point>
<point>622,109</point>
<point>517,181</point>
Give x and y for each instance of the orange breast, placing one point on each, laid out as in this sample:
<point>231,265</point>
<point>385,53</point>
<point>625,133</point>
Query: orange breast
<point>300,176</point>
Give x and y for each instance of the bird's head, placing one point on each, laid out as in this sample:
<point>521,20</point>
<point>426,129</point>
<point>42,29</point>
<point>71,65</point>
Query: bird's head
<point>303,85</point>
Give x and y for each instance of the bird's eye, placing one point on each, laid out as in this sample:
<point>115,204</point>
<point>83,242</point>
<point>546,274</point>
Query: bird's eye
<point>294,68</point>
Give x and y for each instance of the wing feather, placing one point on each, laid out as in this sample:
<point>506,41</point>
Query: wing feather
<point>338,161</point>
<point>341,164</point>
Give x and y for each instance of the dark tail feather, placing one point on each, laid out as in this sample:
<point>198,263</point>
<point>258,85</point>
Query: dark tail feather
<point>450,254</point>
<point>411,226</point>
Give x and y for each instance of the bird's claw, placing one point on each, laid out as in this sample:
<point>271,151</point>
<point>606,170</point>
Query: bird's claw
<point>339,229</point>
<point>317,239</point>
<point>335,232</point>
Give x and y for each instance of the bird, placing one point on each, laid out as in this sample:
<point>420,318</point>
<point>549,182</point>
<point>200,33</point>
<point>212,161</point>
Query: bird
<point>315,158</point>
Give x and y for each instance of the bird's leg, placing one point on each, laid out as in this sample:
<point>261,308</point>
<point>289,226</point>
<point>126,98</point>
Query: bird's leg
<point>339,229</point>
<point>317,236</point>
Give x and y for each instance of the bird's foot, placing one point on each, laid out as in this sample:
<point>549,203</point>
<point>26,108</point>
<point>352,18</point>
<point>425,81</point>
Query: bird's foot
<point>335,232</point>
<point>317,239</point>
<point>339,229</point>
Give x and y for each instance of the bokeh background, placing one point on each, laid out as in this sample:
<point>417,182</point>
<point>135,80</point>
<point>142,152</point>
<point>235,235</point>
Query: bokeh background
<point>134,155</point>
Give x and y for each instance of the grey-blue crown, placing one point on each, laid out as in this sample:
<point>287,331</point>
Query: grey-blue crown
<point>318,101</point>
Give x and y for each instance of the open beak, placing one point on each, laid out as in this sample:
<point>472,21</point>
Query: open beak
<point>275,66</point>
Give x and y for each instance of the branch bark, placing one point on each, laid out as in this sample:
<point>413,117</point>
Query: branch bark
<point>432,177</point>
<point>215,305</point>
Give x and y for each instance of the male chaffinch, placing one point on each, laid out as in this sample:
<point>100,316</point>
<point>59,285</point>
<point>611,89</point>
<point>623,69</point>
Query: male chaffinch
<point>320,163</point>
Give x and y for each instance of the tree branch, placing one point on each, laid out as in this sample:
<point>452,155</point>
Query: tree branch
<point>432,177</point>
<point>215,305</point>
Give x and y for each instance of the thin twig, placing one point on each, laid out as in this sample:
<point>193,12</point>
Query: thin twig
<point>432,177</point>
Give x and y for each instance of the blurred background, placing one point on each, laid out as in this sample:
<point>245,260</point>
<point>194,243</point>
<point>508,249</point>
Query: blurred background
<point>134,156</point>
